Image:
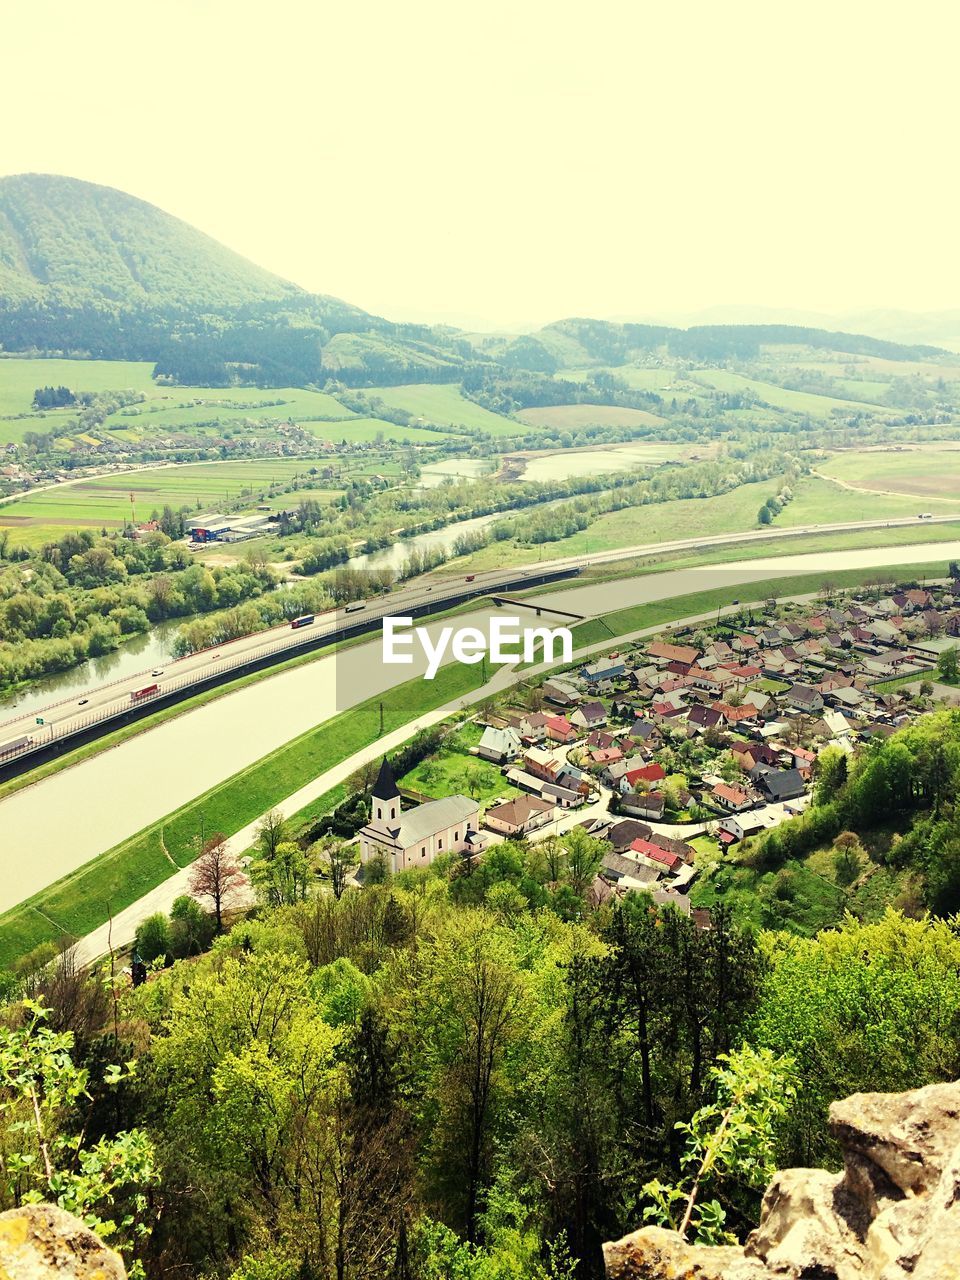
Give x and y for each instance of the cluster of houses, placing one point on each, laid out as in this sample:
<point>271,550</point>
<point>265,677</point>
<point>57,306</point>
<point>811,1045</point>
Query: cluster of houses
<point>761,701</point>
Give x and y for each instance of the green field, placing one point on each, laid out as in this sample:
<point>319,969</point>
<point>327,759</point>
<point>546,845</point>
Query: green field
<point>781,397</point>
<point>19,378</point>
<point>443,403</point>
<point>658,522</point>
<point>818,501</point>
<point>570,417</point>
<point>105,500</point>
<point>931,473</point>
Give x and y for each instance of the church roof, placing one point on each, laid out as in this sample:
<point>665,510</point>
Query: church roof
<point>385,787</point>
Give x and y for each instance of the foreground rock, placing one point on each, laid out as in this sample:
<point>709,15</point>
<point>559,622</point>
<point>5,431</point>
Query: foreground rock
<point>893,1213</point>
<point>40,1242</point>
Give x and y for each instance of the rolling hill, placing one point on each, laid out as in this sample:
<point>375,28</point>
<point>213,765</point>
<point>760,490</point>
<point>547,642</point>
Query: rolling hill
<point>79,240</point>
<point>88,271</point>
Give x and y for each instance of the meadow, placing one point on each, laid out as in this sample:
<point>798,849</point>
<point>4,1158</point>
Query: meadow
<point>782,397</point>
<point>932,473</point>
<point>570,417</point>
<point>443,403</point>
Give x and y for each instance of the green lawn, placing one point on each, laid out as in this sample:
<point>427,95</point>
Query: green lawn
<point>443,403</point>
<point>453,770</point>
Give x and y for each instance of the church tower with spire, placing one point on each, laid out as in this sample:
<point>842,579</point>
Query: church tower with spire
<point>385,802</point>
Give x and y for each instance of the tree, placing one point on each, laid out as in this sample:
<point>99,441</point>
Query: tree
<point>338,856</point>
<point>584,853</point>
<point>152,939</point>
<point>48,1156</point>
<point>764,516</point>
<point>282,879</point>
<point>948,665</point>
<point>191,929</point>
<point>272,830</point>
<point>729,1140</point>
<point>216,875</point>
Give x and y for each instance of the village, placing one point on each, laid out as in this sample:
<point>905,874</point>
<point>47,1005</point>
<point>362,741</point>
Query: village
<point>674,750</point>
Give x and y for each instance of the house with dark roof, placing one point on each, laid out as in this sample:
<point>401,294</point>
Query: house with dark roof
<point>589,715</point>
<point>779,785</point>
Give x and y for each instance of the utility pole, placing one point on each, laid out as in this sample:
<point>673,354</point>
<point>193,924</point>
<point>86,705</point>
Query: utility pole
<point>381,719</point>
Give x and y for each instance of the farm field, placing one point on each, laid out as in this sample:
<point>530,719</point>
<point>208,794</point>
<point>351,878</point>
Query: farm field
<point>166,407</point>
<point>364,430</point>
<point>780,397</point>
<point>443,403</point>
<point>105,500</point>
<point>927,473</point>
<point>562,463</point>
<point>819,501</point>
<point>567,417</point>
<point>20,377</point>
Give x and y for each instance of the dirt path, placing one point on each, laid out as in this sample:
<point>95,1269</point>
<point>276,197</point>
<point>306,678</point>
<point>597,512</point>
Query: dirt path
<point>886,493</point>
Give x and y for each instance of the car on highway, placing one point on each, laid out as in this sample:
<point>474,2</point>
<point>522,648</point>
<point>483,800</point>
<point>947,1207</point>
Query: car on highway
<point>157,672</point>
<point>83,702</point>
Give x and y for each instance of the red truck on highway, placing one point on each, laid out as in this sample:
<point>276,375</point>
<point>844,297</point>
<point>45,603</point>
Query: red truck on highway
<point>139,694</point>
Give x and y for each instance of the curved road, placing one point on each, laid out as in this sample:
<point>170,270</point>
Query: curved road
<point>112,699</point>
<point>62,821</point>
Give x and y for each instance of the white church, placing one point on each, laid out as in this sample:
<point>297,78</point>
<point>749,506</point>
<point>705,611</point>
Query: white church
<point>415,838</point>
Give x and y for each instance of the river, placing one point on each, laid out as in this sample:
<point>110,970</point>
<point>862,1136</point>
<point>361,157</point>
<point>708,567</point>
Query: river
<point>63,821</point>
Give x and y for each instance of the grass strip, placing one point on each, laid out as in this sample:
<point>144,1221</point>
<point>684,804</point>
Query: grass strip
<point>82,900</point>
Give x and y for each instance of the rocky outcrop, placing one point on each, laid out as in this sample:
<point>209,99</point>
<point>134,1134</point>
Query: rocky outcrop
<point>41,1242</point>
<point>893,1213</point>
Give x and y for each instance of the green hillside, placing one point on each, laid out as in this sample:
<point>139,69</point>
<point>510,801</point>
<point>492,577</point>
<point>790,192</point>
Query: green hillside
<point>75,238</point>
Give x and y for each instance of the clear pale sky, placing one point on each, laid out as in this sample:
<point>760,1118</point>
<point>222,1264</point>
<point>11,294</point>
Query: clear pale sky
<point>518,161</point>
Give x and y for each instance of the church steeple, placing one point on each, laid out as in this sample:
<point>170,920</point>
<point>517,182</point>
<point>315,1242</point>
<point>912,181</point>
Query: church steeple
<point>386,795</point>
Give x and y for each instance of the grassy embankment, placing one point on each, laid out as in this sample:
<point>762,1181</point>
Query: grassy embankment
<point>82,901</point>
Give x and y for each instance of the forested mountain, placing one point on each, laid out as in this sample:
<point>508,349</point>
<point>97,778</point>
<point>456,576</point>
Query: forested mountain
<point>91,271</point>
<point>86,270</point>
<point>79,241</point>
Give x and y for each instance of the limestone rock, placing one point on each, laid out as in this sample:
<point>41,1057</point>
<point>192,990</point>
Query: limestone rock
<point>892,1214</point>
<point>40,1242</point>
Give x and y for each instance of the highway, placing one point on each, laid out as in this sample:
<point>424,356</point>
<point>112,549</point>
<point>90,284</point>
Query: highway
<point>25,736</point>
<point>62,821</point>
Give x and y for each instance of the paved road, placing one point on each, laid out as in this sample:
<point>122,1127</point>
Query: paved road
<point>58,824</point>
<point>121,930</point>
<point>108,701</point>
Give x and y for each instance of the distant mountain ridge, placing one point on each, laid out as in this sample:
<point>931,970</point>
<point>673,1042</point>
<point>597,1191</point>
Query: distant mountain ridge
<point>87,270</point>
